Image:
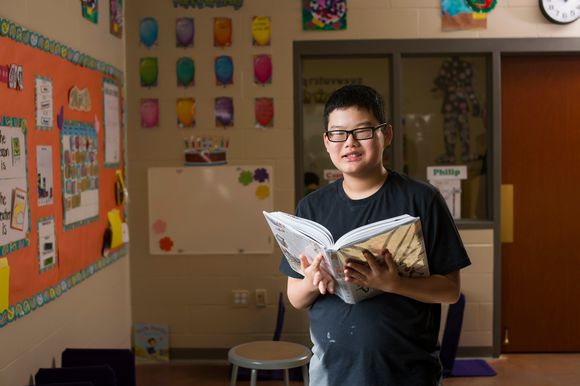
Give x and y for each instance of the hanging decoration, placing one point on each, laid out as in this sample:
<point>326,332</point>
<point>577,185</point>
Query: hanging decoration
<point>262,69</point>
<point>323,15</point>
<point>261,30</point>
<point>90,9</point>
<point>224,112</point>
<point>458,15</point>
<point>482,5</point>
<point>148,70</point>
<point>224,70</point>
<point>149,113</point>
<point>116,18</point>
<point>185,112</point>
<point>185,71</point>
<point>148,31</point>
<point>184,32</point>
<point>264,112</point>
<point>222,32</point>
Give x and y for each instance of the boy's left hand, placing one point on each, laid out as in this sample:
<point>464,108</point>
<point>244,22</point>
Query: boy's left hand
<point>382,275</point>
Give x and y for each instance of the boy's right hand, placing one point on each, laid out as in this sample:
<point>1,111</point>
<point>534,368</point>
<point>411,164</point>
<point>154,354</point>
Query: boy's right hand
<point>316,274</point>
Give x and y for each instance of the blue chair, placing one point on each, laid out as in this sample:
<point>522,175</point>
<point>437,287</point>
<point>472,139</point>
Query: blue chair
<point>97,375</point>
<point>122,361</point>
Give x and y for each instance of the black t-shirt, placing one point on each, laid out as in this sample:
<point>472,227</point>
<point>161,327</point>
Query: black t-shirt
<point>389,339</point>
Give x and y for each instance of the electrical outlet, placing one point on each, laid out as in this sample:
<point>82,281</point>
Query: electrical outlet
<point>240,298</point>
<point>261,300</point>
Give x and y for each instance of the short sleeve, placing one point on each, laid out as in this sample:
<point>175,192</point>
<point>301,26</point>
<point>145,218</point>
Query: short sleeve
<point>445,250</point>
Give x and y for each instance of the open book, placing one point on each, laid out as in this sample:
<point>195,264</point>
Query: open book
<point>401,235</point>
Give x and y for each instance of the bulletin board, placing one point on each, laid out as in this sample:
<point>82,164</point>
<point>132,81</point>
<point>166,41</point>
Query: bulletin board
<point>210,210</point>
<point>61,152</point>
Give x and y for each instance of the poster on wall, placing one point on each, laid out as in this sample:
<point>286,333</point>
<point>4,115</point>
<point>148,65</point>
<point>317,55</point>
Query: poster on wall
<point>458,15</point>
<point>46,243</point>
<point>14,211</point>
<point>44,103</point>
<point>44,174</point>
<point>116,18</point>
<point>261,30</point>
<point>80,174</point>
<point>112,123</point>
<point>323,15</point>
<point>90,10</point>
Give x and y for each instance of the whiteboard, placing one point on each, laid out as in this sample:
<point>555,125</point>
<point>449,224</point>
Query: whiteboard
<point>210,210</point>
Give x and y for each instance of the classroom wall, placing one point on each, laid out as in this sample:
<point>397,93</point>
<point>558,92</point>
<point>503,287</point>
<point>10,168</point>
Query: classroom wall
<point>97,312</point>
<point>192,294</point>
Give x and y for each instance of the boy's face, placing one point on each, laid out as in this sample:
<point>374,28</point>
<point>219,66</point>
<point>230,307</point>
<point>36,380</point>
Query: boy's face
<point>357,158</point>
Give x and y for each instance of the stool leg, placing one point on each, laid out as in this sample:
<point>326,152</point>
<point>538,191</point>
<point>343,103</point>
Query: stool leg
<point>305,375</point>
<point>234,375</point>
<point>286,378</point>
<point>253,378</point>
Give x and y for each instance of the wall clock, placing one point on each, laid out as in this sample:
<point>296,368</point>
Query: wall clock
<point>560,11</point>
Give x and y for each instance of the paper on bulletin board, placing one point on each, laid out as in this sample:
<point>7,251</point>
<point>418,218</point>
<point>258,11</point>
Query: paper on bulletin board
<point>44,103</point>
<point>44,174</point>
<point>46,244</point>
<point>4,283</point>
<point>80,175</point>
<point>116,225</point>
<point>13,188</point>
<point>112,124</point>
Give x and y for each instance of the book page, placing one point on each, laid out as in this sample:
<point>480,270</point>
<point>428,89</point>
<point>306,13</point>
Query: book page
<point>294,243</point>
<point>405,244</point>
<point>369,230</point>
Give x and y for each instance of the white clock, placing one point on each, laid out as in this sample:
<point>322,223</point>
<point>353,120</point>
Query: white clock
<point>560,11</point>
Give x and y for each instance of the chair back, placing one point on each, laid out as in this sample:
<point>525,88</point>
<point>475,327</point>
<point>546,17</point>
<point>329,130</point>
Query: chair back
<point>97,375</point>
<point>279,317</point>
<point>122,361</point>
<point>451,334</point>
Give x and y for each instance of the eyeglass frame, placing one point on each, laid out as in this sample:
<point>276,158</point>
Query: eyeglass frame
<point>354,132</point>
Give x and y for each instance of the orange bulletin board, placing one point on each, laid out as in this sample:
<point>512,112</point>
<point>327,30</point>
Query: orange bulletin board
<point>68,117</point>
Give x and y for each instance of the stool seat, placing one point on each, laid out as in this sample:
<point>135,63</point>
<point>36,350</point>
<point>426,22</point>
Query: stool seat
<point>269,355</point>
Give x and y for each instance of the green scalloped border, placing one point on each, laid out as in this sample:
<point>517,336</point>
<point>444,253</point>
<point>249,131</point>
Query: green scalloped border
<point>23,308</point>
<point>23,35</point>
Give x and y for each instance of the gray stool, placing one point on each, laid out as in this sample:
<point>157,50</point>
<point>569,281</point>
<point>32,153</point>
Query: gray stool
<point>269,355</point>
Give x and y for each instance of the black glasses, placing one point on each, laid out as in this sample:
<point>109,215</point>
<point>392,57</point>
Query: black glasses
<point>359,134</point>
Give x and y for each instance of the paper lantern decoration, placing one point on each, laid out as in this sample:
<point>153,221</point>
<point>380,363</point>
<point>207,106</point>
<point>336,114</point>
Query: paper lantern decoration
<point>148,31</point>
<point>185,71</point>
<point>264,111</point>
<point>184,32</point>
<point>261,30</point>
<point>222,32</point>
<point>185,112</point>
<point>149,113</point>
<point>224,111</point>
<point>262,69</point>
<point>148,70</point>
<point>224,70</point>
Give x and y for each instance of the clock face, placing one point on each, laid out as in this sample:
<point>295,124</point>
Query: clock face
<point>560,11</point>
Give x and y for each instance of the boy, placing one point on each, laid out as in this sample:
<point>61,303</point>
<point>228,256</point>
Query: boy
<point>390,339</point>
